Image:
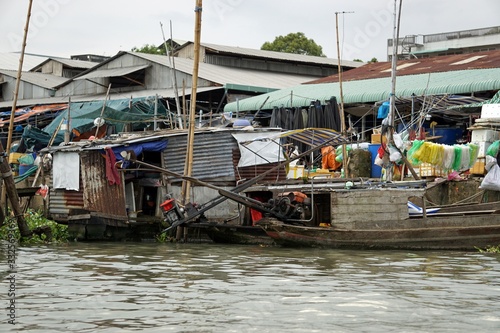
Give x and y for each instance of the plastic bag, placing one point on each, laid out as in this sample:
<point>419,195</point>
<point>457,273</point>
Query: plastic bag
<point>448,157</point>
<point>26,159</point>
<point>473,153</point>
<point>417,144</point>
<point>493,149</point>
<point>394,154</point>
<point>43,191</point>
<point>398,141</point>
<point>492,179</point>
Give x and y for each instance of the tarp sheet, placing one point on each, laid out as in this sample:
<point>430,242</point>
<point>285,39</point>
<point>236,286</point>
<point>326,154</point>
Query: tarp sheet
<point>138,148</point>
<point>66,171</point>
<point>138,112</point>
<point>258,152</point>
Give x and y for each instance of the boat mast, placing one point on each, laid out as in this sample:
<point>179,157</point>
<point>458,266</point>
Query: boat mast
<point>188,167</point>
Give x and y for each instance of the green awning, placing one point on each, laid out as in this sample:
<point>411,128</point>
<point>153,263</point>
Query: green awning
<point>375,90</point>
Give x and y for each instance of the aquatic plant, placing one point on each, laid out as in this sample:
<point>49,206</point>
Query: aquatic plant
<point>490,249</point>
<point>40,227</point>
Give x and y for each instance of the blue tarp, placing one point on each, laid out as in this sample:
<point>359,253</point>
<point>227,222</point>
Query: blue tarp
<point>138,148</point>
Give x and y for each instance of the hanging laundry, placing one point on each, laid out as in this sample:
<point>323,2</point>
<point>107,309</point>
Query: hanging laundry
<point>111,172</point>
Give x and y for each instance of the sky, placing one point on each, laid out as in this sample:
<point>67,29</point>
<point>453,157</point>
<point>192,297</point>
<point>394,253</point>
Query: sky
<point>62,28</point>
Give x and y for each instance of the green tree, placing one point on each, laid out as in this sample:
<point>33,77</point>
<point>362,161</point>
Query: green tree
<point>150,48</point>
<point>373,60</point>
<point>296,43</point>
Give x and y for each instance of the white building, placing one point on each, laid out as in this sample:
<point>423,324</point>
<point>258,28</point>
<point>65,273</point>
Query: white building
<point>447,43</point>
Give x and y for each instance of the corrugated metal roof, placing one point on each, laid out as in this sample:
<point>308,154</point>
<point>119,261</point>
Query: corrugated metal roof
<point>225,75</point>
<point>165,93</point>
<point>111,72</point>
<point>374,90</point>
<point>476,60</point>
<point>11,61</point>
<point>280,55</point>
<point>47,81</point>
<point>81,64</point>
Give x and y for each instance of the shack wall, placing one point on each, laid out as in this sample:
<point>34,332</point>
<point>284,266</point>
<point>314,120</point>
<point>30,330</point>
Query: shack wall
<point>350,207</point>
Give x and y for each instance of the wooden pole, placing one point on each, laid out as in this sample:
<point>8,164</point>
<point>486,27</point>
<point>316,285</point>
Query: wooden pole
<point>18,79</point>
<point>67,130</point>
<point>184,103</point>
<point>173,75</point>
<point>188,169</point>
<point>342,116</point>
<point>102,110</point>
<point>16,93</point>
<point>10,189</point>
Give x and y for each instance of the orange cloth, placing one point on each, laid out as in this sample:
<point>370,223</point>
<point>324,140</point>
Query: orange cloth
<point>328,158</point>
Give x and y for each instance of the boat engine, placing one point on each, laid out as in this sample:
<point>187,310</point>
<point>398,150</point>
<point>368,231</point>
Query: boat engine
<point>171,211</point>
<point>292,205</point>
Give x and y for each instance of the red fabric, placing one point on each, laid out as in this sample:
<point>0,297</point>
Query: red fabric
<point>111,172</point>
<point>256,215</point>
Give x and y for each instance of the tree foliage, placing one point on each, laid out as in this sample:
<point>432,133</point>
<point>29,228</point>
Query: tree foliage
<point>150,48</point>
<point>296,43</point>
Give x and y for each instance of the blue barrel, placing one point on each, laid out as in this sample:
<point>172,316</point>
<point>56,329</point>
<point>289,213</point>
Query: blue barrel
<point>376,170</point>
<point>23,168</point>
<point>448,136</point>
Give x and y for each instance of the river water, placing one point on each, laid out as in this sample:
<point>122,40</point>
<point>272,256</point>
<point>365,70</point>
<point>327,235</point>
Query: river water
<point>134,287</point>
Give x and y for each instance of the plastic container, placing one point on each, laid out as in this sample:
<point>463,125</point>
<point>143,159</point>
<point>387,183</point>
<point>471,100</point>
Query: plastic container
<point>23,168</point>
<point>376,171</point>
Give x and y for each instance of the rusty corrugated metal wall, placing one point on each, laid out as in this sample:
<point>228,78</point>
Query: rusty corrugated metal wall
<point>98,195</point>
<point>212,160</point>
<point>95,194</point>
<point>63,202</point>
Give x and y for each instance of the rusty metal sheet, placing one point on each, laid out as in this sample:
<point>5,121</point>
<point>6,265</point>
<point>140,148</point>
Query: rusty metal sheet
<point>457,62</point>
<point>98,194</point>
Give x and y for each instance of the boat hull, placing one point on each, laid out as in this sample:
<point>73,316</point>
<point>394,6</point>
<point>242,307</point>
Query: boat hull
<point>440,233</point>
<point>234,234</point>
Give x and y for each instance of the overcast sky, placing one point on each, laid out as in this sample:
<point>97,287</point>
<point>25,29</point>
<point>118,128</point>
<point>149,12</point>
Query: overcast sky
<point>68,27</point>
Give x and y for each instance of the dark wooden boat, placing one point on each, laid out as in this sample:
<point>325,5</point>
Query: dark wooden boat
<point>380,219</point>
<point>226,233</point>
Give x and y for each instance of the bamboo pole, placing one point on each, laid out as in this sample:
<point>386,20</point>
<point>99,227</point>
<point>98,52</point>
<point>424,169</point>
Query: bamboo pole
<point>188,168</point>
<point>173,75</point>
<point>18,79</point>
<point>67,130</point>
<point>16,93</point>
<point>342,116</point>
<point>98,125</point>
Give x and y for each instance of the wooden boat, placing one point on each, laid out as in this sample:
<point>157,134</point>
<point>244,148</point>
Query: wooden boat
<point>379,218</point>
<point>226,233</point>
